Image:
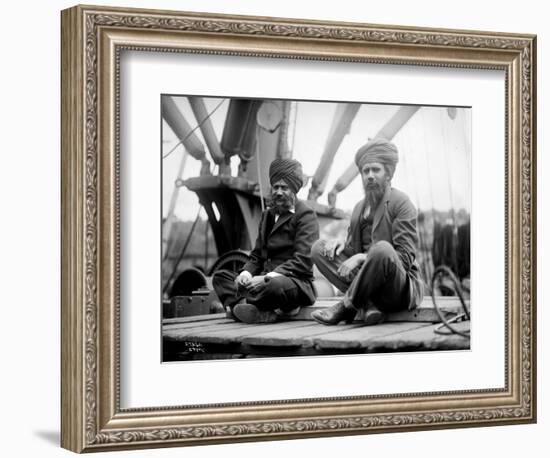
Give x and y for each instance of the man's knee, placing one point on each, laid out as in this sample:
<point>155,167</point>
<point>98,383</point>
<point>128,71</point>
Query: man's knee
<point>381,251</point>
<point>222,276</point>
<point>276,285</point>
<point>217,278</point>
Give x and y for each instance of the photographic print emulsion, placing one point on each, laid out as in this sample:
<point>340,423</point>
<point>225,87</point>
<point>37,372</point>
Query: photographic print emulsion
<point>371,221</point>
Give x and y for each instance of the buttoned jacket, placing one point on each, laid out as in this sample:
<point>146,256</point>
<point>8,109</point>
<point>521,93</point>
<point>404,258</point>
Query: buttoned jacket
<point>285,247</point>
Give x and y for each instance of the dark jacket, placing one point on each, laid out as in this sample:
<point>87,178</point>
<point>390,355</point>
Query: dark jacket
<point>286,249</point>
<point>395,222</point>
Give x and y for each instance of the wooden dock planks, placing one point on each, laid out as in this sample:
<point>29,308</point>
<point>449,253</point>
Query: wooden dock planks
<point>224,333</point>
<point>363,337</point>
<point>177,328</point>
<point>193,319</point>
<point>403,331</point>
<point>291,337</point>
<point>389,337</point>
<point>423,338</point>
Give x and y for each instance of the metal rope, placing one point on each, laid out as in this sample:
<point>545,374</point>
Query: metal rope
<point>194,129</point>
<point>439,271</point>
<point>259,168</point>
<point>182,253</point>
<point>425,266</point>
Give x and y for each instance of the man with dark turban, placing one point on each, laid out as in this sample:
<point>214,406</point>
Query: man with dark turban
<point>278,278</point>
<point>375,266</point>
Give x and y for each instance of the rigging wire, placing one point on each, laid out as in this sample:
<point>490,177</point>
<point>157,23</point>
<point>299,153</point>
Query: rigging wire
<point>444,133</point>
<point>170,245</point>
<point>426,264</point>
<point>206,246</point>
<point>423,130</point>
<point>465,316</point>
<point>466,147</point>
<point>296,105</point>
<point>183,250</point>
<point>423,115</point>
<point>260,184</point>
<point>194,129</point>
<point>444,121</point>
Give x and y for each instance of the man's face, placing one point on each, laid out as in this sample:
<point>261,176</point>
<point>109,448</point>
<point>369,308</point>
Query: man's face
<point>282,197</point>
<point>375,180</point>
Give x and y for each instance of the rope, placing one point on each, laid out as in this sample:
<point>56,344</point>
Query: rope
<point>444,120</point>
<point>206,247</point>
<point>260,184</point>
<point>428,261</point>
<point>295,104</point>
<point>444,124</point>
<point>441,270</point>
<point>182,253</point>
<point>194,129</point>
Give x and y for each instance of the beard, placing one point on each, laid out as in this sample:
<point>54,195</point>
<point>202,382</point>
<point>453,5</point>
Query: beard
<point>281,204</point>
<point>373,193</point>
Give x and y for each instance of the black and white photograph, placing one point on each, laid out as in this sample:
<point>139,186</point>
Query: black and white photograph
<point>257,229</point>
<point>306,228</point>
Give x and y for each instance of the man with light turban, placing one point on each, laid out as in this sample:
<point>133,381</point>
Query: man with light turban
<point>375,266</point>
<point>278,278</point>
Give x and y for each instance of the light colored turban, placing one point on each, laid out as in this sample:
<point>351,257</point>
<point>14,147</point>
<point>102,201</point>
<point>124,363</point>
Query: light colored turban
<point>378,150</point>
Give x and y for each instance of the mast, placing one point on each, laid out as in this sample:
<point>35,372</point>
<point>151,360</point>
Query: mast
<point>341,123</point>
<point>390,129</point>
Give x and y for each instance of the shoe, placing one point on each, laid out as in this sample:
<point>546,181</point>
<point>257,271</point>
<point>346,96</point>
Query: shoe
<point>249,313</point>
<point>289,313</point>
<point>229,314</point>
<point>373,316</point>
<point>216,307</point>
<point>333,315</point>
<point>229,309</point>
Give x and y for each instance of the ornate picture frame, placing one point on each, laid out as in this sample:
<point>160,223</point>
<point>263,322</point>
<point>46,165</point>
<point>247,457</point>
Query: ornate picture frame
<point>93,39</point>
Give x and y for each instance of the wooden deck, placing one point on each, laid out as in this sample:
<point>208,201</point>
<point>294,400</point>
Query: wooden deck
<point>215,336</point>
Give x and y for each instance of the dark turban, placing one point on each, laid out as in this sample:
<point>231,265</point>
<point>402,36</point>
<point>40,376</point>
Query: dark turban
<point>288,170</point>
<point>378,150</point>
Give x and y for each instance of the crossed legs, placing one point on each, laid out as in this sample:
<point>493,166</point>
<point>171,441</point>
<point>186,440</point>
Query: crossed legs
<point>380,280</point>
<point>278,293</point>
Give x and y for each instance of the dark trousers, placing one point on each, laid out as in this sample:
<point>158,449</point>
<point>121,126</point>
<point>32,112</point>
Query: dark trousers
<point>381,279</point>
<point>277,293</point>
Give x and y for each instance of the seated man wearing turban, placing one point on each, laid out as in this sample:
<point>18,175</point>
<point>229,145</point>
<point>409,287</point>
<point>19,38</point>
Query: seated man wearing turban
<point>376,265</point>
<point>278,278</point>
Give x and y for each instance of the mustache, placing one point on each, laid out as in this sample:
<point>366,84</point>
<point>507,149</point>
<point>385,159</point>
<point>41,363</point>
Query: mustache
<point>282,202</point>
<point>374,192</point>
<point>373,185</point>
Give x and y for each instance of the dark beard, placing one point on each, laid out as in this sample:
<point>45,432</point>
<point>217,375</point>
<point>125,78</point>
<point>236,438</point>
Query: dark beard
<point>373,194</point>
<point>281,205</point>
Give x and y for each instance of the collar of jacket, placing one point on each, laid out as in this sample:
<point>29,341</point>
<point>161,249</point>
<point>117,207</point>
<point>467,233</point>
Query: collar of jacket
<point>278,215</point>
<point>282,218</point>
<point>379,212</point>
<point>355,238</point>
<point>291,210</point>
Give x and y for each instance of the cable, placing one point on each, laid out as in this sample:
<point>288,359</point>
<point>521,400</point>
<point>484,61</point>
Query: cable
<point>182,253</point>
<point>444,322</point>
<point>259,168</point>
<point>294,127</point>
<point>194,129</point>
<point>426,257</point>
<point>206,247</point>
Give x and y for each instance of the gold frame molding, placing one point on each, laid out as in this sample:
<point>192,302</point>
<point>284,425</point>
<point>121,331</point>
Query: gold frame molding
<point>92,39</point>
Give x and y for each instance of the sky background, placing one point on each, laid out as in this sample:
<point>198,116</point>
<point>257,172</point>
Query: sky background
<point>434,166</point>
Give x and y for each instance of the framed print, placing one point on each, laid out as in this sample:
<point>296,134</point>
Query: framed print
<point>278,228</point>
